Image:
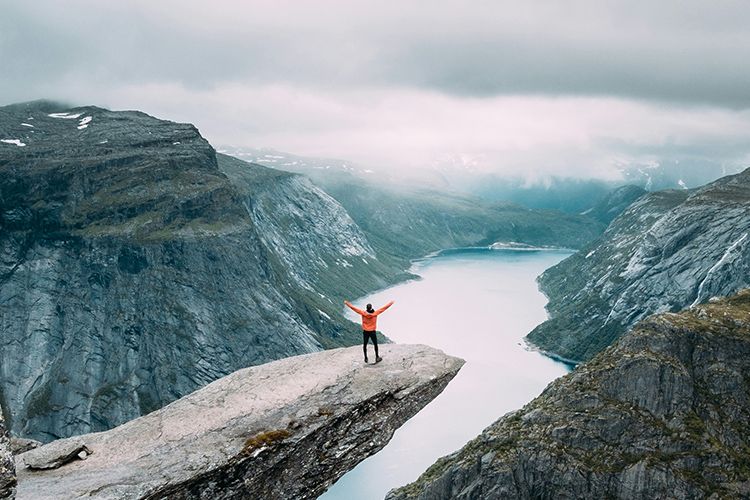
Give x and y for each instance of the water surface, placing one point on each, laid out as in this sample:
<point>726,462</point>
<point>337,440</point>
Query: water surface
<point>476,304</point>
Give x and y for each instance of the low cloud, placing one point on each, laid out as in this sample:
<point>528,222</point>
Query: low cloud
<point>545,88</point>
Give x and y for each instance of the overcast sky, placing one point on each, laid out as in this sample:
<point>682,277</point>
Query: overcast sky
<point>540,88</point>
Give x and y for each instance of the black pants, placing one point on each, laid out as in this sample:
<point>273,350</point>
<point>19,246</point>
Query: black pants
<point>367,336</point>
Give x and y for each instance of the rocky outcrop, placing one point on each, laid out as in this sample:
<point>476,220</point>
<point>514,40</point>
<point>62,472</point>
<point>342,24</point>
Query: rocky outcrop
<point>287,430</point>
<point>667,251</point>
<point>136,267</point>
<point>7,465</point>
<point>663,413</point>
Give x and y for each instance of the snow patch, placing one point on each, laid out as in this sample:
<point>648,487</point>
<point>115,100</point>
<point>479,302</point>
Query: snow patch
<point>682,184</point>
<point>324,314</point>
<point>65,116</point>
<point>84,122</point>
<point>16,142</point>
<point>353,249</point>
<point>27,125</point>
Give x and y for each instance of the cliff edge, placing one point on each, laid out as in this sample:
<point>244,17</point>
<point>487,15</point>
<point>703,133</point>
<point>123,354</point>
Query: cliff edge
<point>663,413</point>
<point>287,429</point>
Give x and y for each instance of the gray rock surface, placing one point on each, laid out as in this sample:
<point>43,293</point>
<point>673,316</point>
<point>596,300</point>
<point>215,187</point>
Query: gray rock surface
<point>667,251</point>
<point>56,454</point>
<point>7,465</point>
<point>663,413</point>
<point>20,445</point>
<point>287,429</point>
<point>136,267</point>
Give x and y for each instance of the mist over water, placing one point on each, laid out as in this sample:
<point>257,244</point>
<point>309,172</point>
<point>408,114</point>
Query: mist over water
<point>477,304</point>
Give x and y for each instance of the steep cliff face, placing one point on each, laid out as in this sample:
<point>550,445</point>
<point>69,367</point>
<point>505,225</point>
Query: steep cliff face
<point>663,413</point>
<point>7,465</point>
<point>310,232</point>
<point>667,251</point>
<point>134,268</point>
<point>283,430</point>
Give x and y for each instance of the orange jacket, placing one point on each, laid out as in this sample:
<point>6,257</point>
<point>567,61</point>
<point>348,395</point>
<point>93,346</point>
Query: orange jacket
<point>369,320</point>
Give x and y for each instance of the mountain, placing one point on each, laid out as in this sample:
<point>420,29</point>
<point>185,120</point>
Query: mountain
<point>409,222</point>
<point>309,166</point>
<point>406,220</point>
<point>283,430</point>
<point>565,194</point>
<point>453,179</point>
<point>672,173</point>
<point>614,203</point>
<point>575,195</point>
<point>137,266</point>
<point>663,413</point>
<point>668,250</point>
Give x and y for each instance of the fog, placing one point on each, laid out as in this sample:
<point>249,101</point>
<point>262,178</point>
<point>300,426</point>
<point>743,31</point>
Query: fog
<point>532,89</point>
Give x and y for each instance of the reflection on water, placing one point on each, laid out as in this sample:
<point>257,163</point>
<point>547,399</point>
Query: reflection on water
<point>478,305</point>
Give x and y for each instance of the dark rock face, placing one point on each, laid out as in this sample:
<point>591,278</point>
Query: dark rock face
<point>283,430</point>
<point>7,465</point>
<point>667,251</point>
<point>663,413</point>
<point>135,266</point>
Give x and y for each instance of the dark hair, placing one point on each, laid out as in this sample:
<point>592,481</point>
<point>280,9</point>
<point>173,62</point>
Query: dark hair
<point>369,308</point>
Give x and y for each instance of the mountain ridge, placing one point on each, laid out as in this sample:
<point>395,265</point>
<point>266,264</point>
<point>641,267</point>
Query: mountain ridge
<point>667,251</point>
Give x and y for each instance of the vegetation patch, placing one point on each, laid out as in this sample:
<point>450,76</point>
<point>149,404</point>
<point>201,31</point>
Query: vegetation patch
<point>325,411</point>
<point>265,439</point>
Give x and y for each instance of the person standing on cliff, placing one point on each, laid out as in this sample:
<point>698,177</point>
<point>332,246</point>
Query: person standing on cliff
<point>369,326</point>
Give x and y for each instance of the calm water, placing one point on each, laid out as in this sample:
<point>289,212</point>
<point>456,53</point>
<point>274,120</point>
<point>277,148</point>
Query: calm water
<point>478,305</point>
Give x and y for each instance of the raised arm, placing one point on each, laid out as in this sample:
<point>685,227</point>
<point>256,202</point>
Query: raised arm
<point>356,310</point>
<point>389,304</point>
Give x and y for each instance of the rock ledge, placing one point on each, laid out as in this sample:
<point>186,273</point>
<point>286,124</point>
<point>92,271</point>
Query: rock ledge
<point>286,429</point>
